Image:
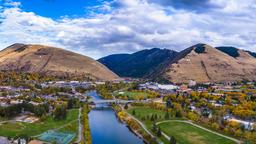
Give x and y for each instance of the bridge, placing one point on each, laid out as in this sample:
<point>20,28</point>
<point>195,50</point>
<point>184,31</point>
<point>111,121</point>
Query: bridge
<point>112,101</point>
<point>119,101</point>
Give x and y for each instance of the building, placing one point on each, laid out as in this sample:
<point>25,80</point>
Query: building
<point>4,140</point>
<point>36,142</point>
<point>158,87</point>
<point>248,125</point>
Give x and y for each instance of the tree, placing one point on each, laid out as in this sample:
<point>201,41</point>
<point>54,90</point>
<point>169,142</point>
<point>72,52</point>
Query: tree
<point>39,110</point>
<point>155,117</point>
<point>154,128</point>
<point>169,103</point>
<point>172,140</point>
<point>126,106</point>
<point>159,132</point>
<point>73,103</point>
<point>60,112</point>
<point>167,116</point>
<point>133,112</point>
<point>152,118</point>
<point>193,116</point>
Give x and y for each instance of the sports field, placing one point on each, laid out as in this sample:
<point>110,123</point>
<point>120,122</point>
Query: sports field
<point>133,95</point>
<point>186,133</point>
<point>58,137</point>
<point>183,132</point>
<point>13,129</point>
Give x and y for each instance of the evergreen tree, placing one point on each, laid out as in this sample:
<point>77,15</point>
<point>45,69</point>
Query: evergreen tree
<point>126,106</point>
<point>152,118</point>
<point>172,140</point>
<point>155,117</point>
<point>166,116</point>
<point>154,128</point>
<point>159,133</point>
<point>133,112</point>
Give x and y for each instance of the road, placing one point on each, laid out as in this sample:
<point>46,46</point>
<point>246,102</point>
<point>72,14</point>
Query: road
<point>189,122</point>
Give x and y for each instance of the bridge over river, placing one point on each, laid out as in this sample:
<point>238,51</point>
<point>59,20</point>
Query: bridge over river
<point>118,101</point>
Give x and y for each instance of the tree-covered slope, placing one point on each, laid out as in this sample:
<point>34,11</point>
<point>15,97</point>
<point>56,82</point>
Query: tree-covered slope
<point>138,64</point>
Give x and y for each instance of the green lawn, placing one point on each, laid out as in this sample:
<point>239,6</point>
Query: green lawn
<point>183,132</point>
<point>132,95</point>
<point>18,128</point>
<point>147,112</point>
<point>188,134</point>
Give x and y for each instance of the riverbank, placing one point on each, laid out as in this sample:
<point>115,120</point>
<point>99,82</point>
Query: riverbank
<point>133,125</point>
<point>86,126</point>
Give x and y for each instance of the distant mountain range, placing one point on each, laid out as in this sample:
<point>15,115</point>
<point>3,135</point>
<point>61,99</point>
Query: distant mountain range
<point>201,62</point>
<point>138,64</point>
<point>52,61</point>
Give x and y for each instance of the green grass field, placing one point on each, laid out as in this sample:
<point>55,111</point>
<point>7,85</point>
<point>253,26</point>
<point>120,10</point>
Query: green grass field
<point>133,95</point>
<point>183,132</point>
<point>146,111</point>
<point>18,128</point>
<point>188,134</point>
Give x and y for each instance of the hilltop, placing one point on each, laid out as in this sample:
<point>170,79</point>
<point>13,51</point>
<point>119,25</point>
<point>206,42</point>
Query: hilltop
<point>52,61</point>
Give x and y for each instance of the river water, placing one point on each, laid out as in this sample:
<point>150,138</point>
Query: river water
<point>107,129</point>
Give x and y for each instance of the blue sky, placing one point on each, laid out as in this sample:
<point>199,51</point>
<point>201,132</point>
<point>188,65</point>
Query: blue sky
<point>98,28</point>
<point>59,8</point>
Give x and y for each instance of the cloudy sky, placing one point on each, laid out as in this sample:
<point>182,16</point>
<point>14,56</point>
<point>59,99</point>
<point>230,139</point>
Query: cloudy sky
<point>98,28</point>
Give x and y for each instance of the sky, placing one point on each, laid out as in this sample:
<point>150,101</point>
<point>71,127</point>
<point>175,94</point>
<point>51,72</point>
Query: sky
<point>97,28</point>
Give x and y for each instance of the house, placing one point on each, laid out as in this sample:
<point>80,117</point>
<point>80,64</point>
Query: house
<point>215,103</point>
<point>248,125</point>
<point>20,141</point>
<point>36,142</point>
<point>34,103</point>
<point>4,140</point>
<point>13,102</point>
<point>191,83</point>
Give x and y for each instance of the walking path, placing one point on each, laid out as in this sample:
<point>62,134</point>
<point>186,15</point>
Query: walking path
<point>189,122</point>
<point>9,121</point>
<point>56,129</point>
<point>144,127</point>
<point>79,137</point>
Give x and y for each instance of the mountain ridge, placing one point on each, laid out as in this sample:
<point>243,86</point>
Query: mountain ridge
<point>204,63</point>
<point>211,65</point>
<point>52,61</point>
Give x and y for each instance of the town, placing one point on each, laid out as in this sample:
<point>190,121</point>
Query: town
<point>56,111</point>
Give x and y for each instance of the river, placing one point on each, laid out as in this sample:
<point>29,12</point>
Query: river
<point>107,129</point>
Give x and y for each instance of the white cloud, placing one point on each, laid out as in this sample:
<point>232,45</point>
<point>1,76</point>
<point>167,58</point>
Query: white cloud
<point>131,25</point>
<point>11,3</point>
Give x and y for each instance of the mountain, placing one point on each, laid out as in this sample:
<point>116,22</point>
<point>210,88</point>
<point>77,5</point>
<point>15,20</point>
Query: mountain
<point>234,52</point>
<point>204,63</point>
<point>231,51</point>
<point>138,64</point>
<point>52,61</point>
